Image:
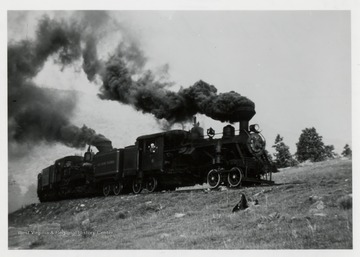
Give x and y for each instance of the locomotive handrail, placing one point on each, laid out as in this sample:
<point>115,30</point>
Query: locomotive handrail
<point>220,133</point>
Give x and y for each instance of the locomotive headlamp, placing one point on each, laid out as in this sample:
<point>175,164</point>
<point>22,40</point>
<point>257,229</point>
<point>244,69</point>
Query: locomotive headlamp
<point>255,128</point>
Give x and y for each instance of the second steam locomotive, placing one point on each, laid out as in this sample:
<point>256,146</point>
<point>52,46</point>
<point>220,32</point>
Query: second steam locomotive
<point>162,161</point>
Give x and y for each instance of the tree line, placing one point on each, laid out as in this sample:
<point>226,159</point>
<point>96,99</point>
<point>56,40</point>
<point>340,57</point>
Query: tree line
<point>310,147</point>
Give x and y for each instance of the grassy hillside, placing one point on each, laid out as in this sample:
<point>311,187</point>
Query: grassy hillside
<point>310,207</point>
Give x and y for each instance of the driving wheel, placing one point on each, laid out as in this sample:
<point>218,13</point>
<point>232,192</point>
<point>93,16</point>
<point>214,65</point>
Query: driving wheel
<point>151,184</point>
<point>213,179</point>
<point>117,188</point>
<point>136,186</point>
<point>234,177</point>
<point>106,189</point>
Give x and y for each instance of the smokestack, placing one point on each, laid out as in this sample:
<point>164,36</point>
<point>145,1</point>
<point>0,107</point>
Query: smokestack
<point>244,126</point>
<point>244,115</point>
<point>102,144</point>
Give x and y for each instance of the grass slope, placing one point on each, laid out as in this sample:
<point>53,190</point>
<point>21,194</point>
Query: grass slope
<point>310,207</point>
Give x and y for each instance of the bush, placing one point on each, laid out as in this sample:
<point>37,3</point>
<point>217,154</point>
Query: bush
<point>347,151</point>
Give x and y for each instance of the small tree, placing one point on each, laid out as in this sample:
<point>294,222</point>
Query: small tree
<point>283,157</point>
<point>310,146</point>
<point>347,151</point>
<point>329,152</point>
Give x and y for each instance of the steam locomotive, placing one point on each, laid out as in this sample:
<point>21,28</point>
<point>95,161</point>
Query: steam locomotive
<point>162,161</point>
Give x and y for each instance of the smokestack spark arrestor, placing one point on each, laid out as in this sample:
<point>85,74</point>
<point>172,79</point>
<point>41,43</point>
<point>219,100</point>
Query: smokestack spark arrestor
<point>103,144</point>
<point>244,115</point>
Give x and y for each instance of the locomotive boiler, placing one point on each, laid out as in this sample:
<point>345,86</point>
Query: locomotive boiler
<point>163,161</point>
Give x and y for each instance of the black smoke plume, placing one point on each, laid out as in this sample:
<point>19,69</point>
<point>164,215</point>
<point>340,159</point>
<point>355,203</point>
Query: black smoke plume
<point>125,79</point>
<point>42,114</point>
<point>37,114</point>
<point>149,95</point>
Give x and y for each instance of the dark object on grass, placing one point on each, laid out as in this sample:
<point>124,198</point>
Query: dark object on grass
<point>345,202</point>
<point>242,205</point>
<point>122,215</point>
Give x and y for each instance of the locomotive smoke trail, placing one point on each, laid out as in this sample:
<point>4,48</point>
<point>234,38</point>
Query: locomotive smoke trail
<point>151,95</point>
<point>43,114</point>
<point>125,79</point>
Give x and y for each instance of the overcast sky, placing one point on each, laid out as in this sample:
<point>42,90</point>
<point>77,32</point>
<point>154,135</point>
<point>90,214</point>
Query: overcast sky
<point>295,66</point>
